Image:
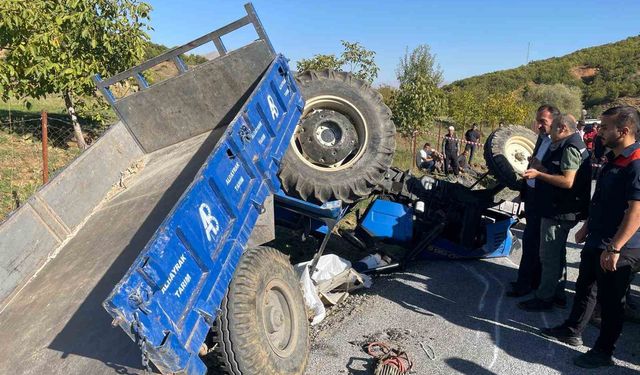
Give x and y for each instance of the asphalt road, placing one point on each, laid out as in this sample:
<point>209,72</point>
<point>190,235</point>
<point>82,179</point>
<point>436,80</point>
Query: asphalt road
<point>458,309</point>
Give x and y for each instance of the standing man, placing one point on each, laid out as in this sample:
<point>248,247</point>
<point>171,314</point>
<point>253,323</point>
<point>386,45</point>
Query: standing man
<point>450,151</point>
<point>529,269</point>
<point>581,128</point>
<point>563,179</point>
<point>590,133</point>
<point>612,234</point>
<point>472,136</point>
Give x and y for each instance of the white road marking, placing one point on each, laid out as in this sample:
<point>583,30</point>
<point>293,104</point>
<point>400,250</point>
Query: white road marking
<point>496,347</point>
<point>485,282</point>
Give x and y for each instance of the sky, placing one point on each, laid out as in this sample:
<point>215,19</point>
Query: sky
<point>468,37</point>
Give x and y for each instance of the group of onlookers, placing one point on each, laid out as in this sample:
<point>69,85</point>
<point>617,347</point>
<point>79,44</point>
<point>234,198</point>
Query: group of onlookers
<point>450,159</point>
<point>557,197</point>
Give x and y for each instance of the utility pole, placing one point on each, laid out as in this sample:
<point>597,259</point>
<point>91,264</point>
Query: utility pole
<point>528,49</point>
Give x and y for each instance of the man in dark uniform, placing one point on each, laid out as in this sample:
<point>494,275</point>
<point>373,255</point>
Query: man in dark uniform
<point>612,234</point>
<point>529,269</point>
<point>472,136</point>
<point>563,184</point>
<point>450,151</point>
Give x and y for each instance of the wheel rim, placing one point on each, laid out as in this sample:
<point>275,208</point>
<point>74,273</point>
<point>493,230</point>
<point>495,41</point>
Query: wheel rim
<point>518,150</point>
<point>326,133</point>
<point>279,318</point>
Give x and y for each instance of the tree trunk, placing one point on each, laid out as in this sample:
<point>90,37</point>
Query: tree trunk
<point>77,130</point>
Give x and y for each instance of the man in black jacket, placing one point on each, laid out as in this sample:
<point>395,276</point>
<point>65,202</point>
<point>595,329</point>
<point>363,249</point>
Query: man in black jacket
<point>563,182</point>
<point>472,136</point>
<point>450,151</point>
<point>612,234</point>
<point>529,269</point>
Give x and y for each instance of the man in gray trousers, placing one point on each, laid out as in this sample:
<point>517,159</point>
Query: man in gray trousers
<point>563,184</point>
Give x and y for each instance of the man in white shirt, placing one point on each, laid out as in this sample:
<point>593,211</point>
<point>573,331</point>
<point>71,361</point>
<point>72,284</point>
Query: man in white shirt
<point>425,160</point>
<point>581,128</point>
<point>530,269</point>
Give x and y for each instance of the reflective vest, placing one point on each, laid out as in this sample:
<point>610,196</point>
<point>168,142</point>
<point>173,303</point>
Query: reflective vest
<point>565,204</point>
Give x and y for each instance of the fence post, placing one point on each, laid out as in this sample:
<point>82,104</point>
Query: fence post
<point>414,150</point>
<point>45,149</point>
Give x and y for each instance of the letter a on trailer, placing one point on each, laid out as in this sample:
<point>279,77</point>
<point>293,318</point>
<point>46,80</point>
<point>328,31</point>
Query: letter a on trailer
<point>168,300</point>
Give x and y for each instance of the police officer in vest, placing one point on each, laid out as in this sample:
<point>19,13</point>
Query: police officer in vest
<point>612,234</point>
<point>563,186</point>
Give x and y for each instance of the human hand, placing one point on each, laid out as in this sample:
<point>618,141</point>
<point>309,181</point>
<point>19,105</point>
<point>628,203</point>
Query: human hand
<point>581,234</point>
<point>609,261</point>
<point>531,173</point>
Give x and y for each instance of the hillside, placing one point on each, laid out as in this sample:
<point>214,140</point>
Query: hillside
<point>605,74</point>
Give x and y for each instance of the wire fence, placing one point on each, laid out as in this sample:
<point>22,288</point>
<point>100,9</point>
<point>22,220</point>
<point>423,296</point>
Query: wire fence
<point>30,152</point>
<point>408,147</point>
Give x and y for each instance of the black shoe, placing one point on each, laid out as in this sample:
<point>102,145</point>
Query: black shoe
<point>517,292</point>
<point>536,304</point>
<point>593,359</point>
<point>562,334</point>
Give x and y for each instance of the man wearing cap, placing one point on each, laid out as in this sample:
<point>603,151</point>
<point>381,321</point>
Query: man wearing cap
<point>450,151</point>
<point>563,183</point>
<point>612,234</point>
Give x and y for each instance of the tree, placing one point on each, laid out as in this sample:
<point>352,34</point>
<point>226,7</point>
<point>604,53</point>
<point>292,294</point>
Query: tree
<point>319,62</point>
<point>505,107</point>
<point>417,104</point>
<point>360,60</point>
<point>54,47</point>
<point>355,59</point>
<point>420,62</point>
<point>566,98</point>
<point>419,99</point>
<point>389,94</point>
<point>464,107</point>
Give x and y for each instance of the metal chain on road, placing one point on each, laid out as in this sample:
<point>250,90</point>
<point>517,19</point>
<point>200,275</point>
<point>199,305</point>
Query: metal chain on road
<point>142,343</point>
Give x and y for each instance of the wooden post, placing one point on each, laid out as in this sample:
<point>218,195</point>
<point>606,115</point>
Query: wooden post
<point>414,150</point>
<point>45,149</point>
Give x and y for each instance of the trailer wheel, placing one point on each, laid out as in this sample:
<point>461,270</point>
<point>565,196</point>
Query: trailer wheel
<point>507,151</point>
<point>344,142</point>
<point>262,328</point>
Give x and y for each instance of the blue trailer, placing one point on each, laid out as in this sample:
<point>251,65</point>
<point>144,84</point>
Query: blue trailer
<point>204,288</point>
<point>204,291</point>
<point>175,252</point>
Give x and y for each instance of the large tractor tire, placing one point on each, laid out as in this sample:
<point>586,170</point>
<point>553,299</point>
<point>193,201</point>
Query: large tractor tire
<point>344,142</point>
<point>507,152</point>
<point>262,328</point>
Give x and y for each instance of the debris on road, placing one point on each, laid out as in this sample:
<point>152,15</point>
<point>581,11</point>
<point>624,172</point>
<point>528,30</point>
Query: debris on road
<point>390,360</point>
<point>332,281</point>
<point>431,353</point>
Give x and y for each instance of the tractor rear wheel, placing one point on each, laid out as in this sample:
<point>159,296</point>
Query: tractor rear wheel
<point>344,142</point>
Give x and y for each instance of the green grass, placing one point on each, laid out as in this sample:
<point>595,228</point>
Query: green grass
<point>52,104</point>
<point>21,168</point>
<point>21,148</point>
